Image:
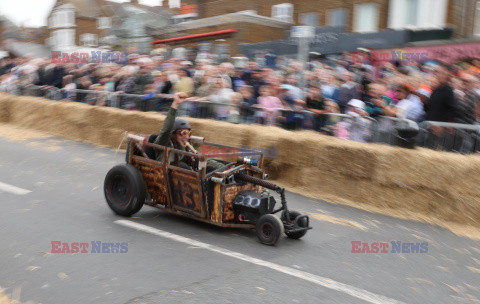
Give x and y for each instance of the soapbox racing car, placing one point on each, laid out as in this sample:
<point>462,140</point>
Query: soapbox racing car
<point>234,195</point>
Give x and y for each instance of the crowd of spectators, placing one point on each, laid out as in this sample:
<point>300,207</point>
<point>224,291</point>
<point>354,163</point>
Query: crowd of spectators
<point>283,93</point>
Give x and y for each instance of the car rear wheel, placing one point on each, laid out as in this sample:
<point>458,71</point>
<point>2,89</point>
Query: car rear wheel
<point>269,228</point>
<point>124,190</point>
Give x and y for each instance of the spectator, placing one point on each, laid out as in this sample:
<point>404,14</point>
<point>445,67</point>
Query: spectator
<point>68,88</point>
<point>127,86</point>
<point>225,71</point>
<point>348,90</point>
<point>222,94</point>
<point>410,106</point>
<point>184,83</point>
<point>294,91</point>
<point>330,89</point>
<point>466,105</point>
<point>237,81</point>
<point>83,83</point>
<point>162,87</point>
<point>316,104</point>
<point>294,114</point>
<point>257,81</point>
<point>270,59</point>
<point>356,128</point>
<point>270,106</point>
<point>234,113</point>
<point>442,105</point>
<point>142,79</point>
<point>247,106</point>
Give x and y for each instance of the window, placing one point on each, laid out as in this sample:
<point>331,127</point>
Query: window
<point>89,40</point>
<point>366,18</point>
<point>64,18</point>
<point>104,23</point>
<point>417,13</point>
<point>174,3</point>
<point>310,19</point>
<point>412,9</point>
<point>283,12</point>
<point>337,17</point>
<point>63,38</point>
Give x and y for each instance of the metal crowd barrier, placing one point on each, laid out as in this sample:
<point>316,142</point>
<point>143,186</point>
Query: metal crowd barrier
<point>452,137</point>
<point>386,131</point>
<point>48,92</point>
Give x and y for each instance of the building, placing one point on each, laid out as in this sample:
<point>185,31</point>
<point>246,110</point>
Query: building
<point>17,41</point>
<point>133,24</point>
<point>86,25</point>
<point>465,16</point>
<point>76,24</point>
<point>229,23</point>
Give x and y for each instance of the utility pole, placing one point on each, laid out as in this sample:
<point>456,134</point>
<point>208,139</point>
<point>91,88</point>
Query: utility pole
<point>303,34</point>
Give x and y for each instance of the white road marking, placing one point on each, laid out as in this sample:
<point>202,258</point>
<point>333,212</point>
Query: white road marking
<point>12,189</point>
<point>322,281</point>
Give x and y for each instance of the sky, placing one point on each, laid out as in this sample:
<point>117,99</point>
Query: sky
<point>33,13</point>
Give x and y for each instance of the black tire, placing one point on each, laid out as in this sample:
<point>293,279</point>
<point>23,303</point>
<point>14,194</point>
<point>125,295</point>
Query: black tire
<point>269,228</point>
<point>302,223</point>
<point>124,190</point>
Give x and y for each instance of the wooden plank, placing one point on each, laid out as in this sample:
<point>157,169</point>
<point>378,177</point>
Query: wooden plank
<point>154,177</point>
<point>186,194</point>
<point>216,203</point>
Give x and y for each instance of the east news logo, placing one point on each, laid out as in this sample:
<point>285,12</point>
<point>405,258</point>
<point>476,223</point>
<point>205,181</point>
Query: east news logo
<point>97,247</point>
<point>383,247</point>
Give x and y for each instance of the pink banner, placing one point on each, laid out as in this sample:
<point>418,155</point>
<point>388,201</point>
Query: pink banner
<point>409,55</point>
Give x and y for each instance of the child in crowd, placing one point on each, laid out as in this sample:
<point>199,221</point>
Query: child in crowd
<point>234,114</point>
<point>247,109</point>
<point>357,127</point>
<point>269,104</point>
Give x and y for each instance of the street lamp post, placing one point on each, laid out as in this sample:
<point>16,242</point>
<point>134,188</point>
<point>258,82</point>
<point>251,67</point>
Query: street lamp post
<point>303,34</point>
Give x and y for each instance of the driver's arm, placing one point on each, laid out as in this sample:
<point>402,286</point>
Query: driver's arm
<point>164,136</point>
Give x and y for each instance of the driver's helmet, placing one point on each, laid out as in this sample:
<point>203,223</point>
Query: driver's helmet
<point>181,123</point>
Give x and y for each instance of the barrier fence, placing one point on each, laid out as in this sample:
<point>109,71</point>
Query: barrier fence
<point>453,137</point>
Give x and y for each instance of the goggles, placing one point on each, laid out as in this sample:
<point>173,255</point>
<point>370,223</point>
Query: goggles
<point>184,132</point>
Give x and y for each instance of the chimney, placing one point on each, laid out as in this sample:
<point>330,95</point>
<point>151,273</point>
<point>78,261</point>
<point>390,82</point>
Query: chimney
<point>134,2</point>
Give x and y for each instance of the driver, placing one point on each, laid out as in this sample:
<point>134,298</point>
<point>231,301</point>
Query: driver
<point>176,133</point>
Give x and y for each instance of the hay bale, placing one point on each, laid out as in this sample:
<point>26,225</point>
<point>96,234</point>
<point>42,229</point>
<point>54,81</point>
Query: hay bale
<point>74,112</point>
<point>435,170</point>
<point>221,132</point>
<point>114,138</point>
<point>137,122</point>
<point>103,117</point>
<point>28,111</point>
<point>5,107</point>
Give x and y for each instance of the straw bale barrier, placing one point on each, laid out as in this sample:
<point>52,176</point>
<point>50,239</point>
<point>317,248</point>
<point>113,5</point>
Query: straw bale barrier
<point>436,187</point>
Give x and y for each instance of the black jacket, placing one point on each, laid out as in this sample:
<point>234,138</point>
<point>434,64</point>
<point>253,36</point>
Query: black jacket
<point>442,105</point>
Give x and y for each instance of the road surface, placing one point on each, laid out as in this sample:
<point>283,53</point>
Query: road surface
<point>51,191</point>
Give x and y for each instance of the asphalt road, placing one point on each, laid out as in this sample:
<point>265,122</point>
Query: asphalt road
<point>57,195</point>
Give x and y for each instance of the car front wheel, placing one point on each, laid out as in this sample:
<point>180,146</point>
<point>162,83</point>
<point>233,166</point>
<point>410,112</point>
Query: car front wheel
<point>124,190</point>
<point>269,228</point>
